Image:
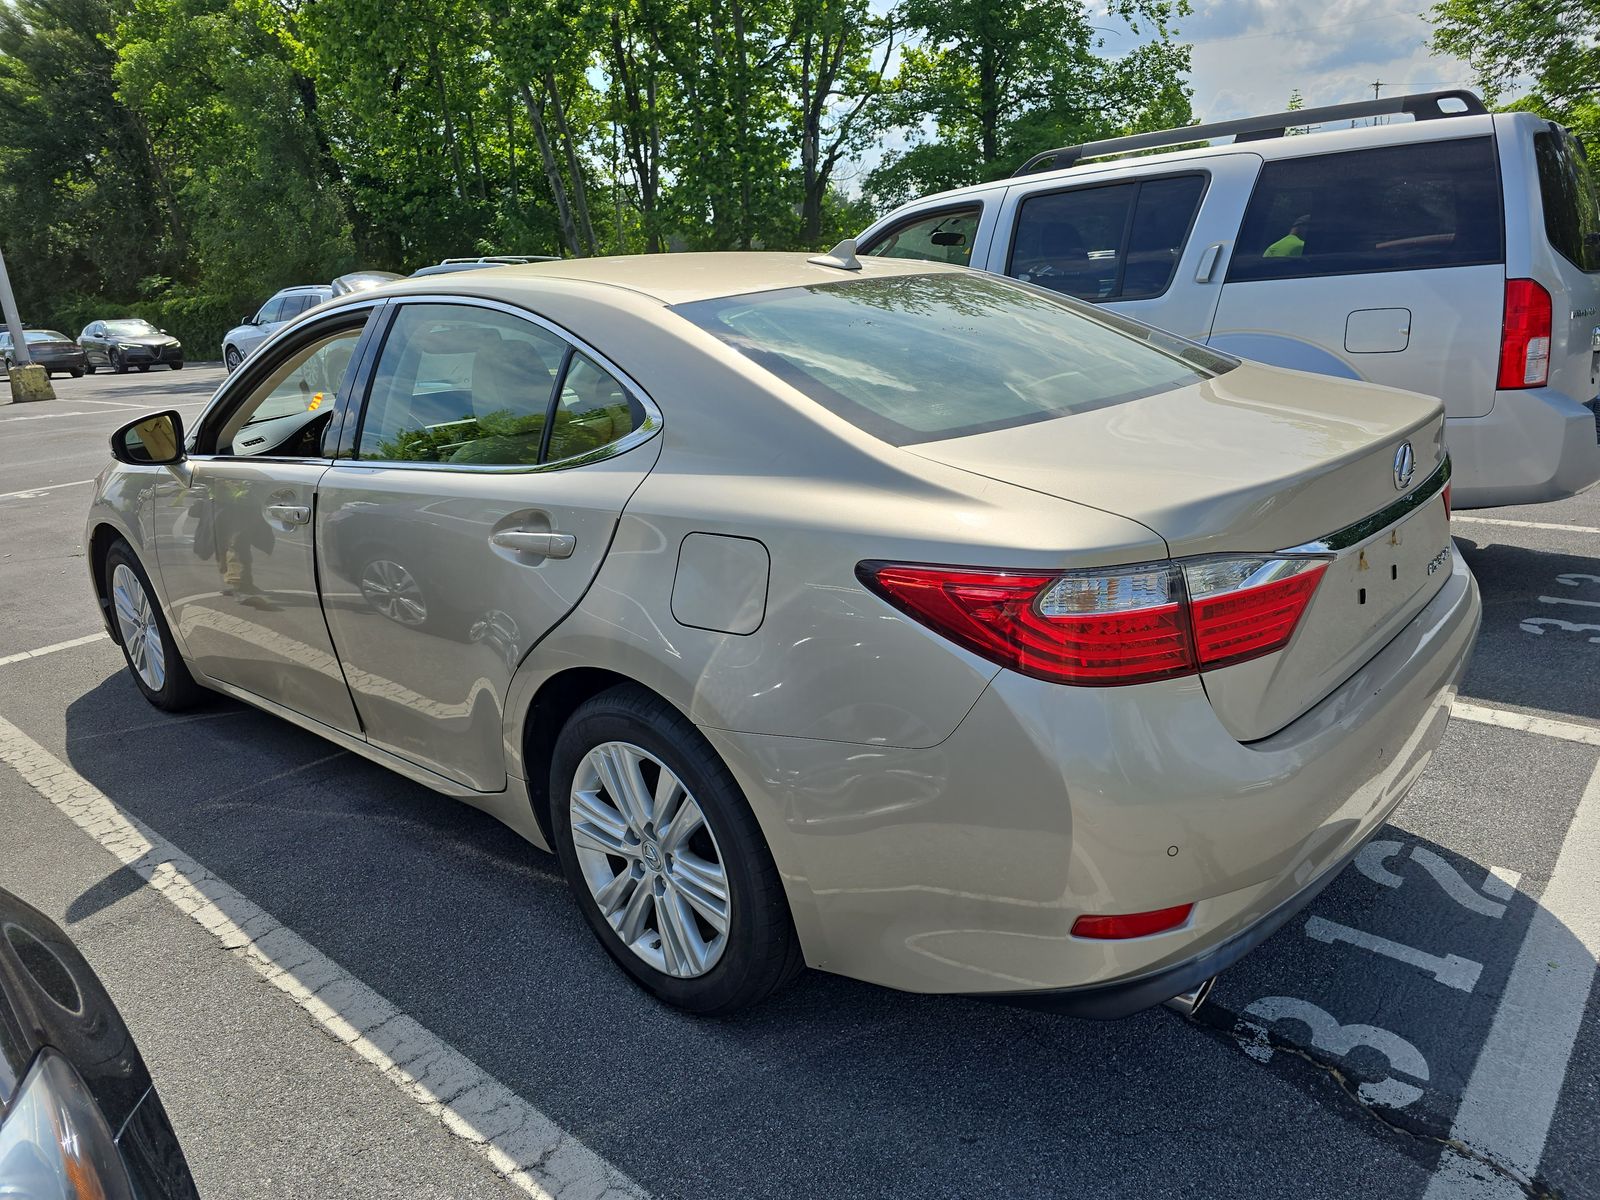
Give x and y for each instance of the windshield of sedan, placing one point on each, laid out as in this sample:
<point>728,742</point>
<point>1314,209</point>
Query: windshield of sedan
<point>131,328</point>
<point>918,358</point>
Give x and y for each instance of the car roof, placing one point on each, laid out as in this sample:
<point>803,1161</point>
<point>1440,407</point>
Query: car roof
<point>304,287</point>
<point>673,278</point>
<point>1317,141</point>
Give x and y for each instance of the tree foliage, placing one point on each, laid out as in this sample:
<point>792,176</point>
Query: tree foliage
<point>183,158</point>
<point>1551,42</point>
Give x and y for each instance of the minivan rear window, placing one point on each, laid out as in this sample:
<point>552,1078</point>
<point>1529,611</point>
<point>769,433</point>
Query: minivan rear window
<point>1415,207</point>
<point>919,358</point>
<point>1570,219</point>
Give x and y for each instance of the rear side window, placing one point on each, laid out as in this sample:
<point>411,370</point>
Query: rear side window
<point>1120,242</point>
<point>1396,208</point>
<point>919,358</point>
<point>944,236</point>
<point>1570,218</point>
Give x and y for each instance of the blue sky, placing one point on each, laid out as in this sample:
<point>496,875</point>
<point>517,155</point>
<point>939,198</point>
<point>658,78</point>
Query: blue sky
<point>1249,54</point>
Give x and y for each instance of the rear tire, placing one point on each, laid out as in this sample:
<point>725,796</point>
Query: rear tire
<point>698,916</point>
<point>89,368</point>
<point>76,374</point>
<point>142,631</point>
<point>144,367</point>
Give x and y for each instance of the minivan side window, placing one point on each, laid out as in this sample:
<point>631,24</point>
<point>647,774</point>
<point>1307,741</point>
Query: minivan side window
<point>1416,207</point>
<point>945,236</point>
<point>1115,242</point>
<point>1570,219</point>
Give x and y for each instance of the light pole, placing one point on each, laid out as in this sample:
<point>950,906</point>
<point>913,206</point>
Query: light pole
<point>28,382</point>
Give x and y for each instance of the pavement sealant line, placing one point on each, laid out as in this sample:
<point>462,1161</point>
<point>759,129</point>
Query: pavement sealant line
<point>520,1143</point>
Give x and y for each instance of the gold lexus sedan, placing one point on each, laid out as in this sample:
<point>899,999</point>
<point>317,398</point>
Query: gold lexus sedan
<point>889,618</point>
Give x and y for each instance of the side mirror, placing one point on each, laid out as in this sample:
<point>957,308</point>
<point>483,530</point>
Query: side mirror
<point>153,441</point>
<point>248,319</point>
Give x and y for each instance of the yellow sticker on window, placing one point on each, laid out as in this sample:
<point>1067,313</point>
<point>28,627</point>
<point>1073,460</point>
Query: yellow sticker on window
<point>316,403</point>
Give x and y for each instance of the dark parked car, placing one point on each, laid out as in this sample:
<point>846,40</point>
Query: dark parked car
<point>129,342</point>
<point>79,1117</point>
<point>55,352</point>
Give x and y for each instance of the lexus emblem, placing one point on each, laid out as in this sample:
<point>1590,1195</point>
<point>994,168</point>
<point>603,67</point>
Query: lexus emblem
<point>1405,466</point>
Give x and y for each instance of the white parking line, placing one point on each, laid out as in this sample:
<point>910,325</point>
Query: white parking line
<point>30,493</point>
<point>1505,718</point>
<point>519,1142</point>
<point>1525,524</point>
<point>49,416</point>
<point>51,649</point>
<point>1511,1097</point>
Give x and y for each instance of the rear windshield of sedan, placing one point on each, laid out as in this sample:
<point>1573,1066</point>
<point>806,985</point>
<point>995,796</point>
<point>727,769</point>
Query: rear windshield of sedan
<point>920,358</point>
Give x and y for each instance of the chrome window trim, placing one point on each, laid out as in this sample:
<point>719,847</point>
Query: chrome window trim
<point>647,429</point>
<point>232,383</point>
<point>1360,531</point>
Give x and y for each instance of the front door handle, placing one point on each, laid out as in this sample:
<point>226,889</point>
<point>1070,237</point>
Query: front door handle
<point>290,514</point>
<point>547,545</point>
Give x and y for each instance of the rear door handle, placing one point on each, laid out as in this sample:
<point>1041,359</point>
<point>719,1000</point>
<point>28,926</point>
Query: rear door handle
<point>1208,262</point>
<point>290,514</point>
<point>547,545</point>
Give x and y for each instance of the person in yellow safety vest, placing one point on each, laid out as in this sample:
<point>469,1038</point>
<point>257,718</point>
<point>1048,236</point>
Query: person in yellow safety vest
<point>1291,244</point>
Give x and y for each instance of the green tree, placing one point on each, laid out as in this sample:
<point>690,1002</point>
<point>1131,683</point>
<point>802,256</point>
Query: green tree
<point>998,80</point>
<point>1552,42</point>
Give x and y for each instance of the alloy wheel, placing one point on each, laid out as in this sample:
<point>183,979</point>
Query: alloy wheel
<point>392,590</point>
<point>140,630</point>
<point>650,859</point>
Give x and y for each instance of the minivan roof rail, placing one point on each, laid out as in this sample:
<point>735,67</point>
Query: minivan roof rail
<point>1423,106</point>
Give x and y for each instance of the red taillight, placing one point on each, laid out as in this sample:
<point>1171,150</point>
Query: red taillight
<point>1447,502</point>
<point>1131,925</point>
<point>1108,627</point>
<point>1525,336</point>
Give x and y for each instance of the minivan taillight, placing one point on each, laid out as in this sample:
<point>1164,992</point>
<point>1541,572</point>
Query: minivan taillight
<point>1524,336</point>
<point>1112,626</point>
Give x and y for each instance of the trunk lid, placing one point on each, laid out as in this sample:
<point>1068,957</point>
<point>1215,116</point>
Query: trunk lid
<point>1259,460</point>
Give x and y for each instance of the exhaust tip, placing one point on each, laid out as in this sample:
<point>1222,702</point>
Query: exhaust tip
<point>1188,1003</point>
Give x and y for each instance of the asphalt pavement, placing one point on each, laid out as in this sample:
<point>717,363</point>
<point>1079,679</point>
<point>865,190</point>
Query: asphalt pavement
<point>348,985</point>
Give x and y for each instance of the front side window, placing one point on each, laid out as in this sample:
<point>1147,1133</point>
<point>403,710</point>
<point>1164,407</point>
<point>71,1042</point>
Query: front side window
<point>284,415</point>
<point>918,358</point>
<point>1117,242</point>
<point>465,385</point>
<point>1396,208</point>
<point>944,236</point>
<point>1570,220</point>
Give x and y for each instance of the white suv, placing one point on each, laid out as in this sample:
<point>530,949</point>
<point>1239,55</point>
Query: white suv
<point>285,305</point>
<point>1457,254</point>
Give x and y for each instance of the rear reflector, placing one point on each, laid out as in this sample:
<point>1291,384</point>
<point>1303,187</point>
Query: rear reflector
<point>1131,925</point>
<point>1525,336</point>
<point>1108,627</point>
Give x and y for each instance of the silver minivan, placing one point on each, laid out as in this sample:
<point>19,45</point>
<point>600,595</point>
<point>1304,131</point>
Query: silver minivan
<point>1455,254</point>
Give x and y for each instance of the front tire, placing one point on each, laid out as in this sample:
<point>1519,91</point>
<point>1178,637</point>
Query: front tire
<point>177,366</point>
<point>144,367</point>
<point>146,639</point>
<point>78,374</point>
<point>665,858</point>
<point>231,358</point>
<point>118,366</point>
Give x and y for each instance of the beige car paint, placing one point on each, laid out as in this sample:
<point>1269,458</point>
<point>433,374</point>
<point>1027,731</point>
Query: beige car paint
<point>937,821</point>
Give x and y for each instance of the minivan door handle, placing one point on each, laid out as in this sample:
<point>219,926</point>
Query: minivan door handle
<point>290,514</point>
<point>547,545</point>
<point>1208,262</point>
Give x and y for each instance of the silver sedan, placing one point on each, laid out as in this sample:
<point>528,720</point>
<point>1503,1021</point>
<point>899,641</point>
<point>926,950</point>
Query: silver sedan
<point>899,620</point>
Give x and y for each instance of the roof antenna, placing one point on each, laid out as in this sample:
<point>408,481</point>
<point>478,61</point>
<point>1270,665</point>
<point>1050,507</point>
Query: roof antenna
<point>842,256</point>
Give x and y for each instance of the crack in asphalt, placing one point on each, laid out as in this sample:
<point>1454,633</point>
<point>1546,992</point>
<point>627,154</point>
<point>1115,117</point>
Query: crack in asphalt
<point>1224,1024</point>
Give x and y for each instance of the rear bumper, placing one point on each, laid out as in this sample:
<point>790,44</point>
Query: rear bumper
<point>1535,445</point>
<point>961,868</point>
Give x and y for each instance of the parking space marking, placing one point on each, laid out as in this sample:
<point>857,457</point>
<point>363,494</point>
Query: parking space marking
<point>1511,1098</point>
<point>30,493</point>
<point>1452,970</point>
<point>1525,524</point>
<point>49,416</point>
<point>1505,718</point>
<point>520,1143</point>
<point>43,650</point>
